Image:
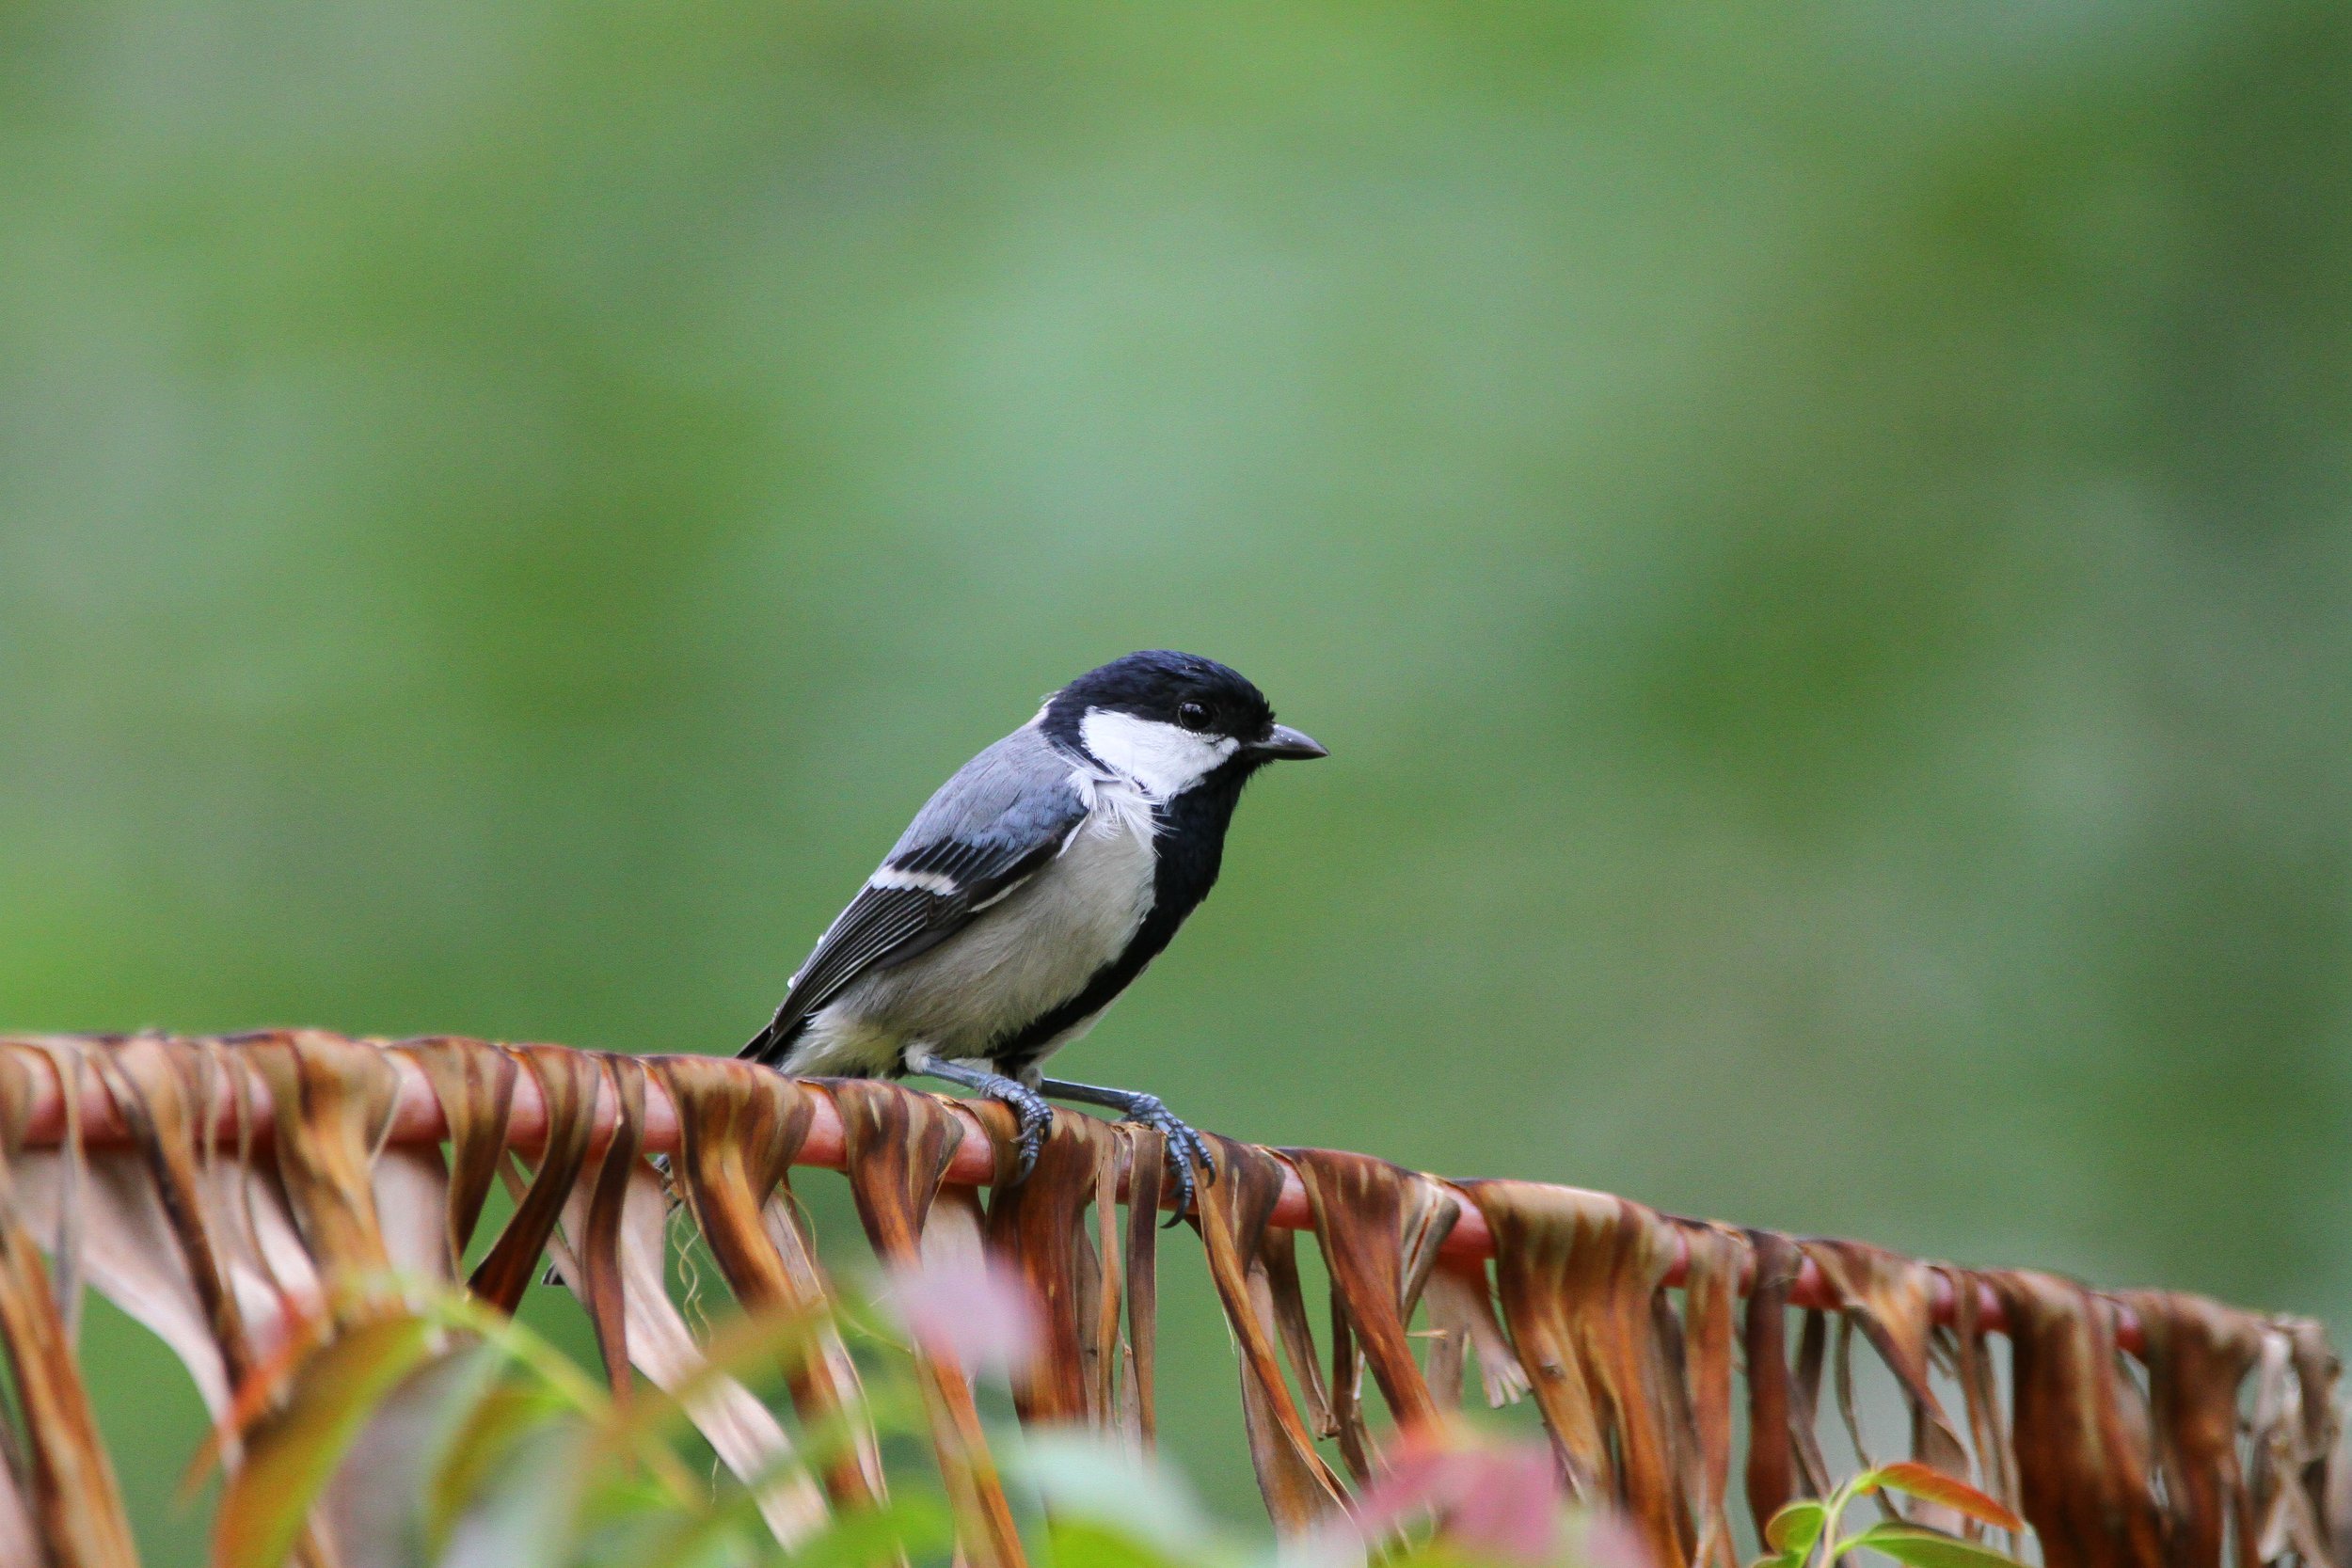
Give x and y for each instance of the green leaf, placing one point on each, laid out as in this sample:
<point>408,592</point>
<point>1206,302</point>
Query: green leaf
<point>910,1526</point>
<point>527,1512</point>
<point>289,1455</point>
<point>1793,1531</point>
<point>1081,1477</point>
<point>481,1444</point>
<point>1092,1544</point>
<point>1922,1548</point>
<point>1919,1480</point>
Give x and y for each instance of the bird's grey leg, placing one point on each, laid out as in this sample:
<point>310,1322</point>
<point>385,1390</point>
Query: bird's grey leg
<point>1185,1148</point>
<point>1030,1112</point>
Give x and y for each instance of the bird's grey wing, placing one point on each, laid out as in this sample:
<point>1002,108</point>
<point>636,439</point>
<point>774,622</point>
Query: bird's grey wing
<point>991,826</point>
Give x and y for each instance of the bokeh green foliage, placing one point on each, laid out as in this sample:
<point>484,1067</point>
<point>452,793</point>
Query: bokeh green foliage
<point>1816,536</point>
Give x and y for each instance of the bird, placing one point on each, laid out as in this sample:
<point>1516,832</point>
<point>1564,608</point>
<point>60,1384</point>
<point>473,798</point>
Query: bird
<point>1030,891</point>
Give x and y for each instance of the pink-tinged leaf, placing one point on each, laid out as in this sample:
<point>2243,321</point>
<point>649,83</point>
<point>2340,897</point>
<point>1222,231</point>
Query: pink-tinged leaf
<point>1498,1501</point>
<point>1605,1538</point>
<point>975,1310</point>
<point>1920,1547</point>
<point>1508,1506</point>
<point>290,1454</point>
<point>1917,1481</point>
<point>1793,1531</point>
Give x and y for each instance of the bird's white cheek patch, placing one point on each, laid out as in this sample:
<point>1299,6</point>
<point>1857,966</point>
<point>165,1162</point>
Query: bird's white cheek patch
<point>1164,758</point>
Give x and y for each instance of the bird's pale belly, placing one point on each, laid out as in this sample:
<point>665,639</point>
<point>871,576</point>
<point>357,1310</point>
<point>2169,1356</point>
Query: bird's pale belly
<point>1019,959</point>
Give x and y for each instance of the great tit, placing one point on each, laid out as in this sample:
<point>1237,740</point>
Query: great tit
<point>1032,889</point>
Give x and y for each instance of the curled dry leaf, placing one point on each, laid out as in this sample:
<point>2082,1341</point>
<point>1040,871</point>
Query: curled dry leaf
<point>474,1084</point>
<point>2198,1352</point>
<point>1379,1226</point>
<point>899,1144</point>
<point>1300,1489</point>
<point>741,1127</point>
<point>1579,1274</point>
<point>1890,1299</point>
<point>1038,1227</point>
<point>1772,1469</point>
<point>67,1491</point>
<point>1462,1318</point>
<point>1718,1255</point>
<point>2079,1431</point>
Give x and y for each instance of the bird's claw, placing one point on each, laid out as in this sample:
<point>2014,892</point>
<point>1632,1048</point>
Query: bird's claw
<point>1185,1149</point>
<point>1033,1119</point>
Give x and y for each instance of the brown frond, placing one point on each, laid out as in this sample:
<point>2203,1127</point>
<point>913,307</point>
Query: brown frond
<point>740,1127</point>
<point>59,1503</point>
<point>1379,1226</point>
<point>1891,1299</point>
<point>251,1199</point>
<point>2079,1426</point>
<point>1038,1227</point>
<point>2199,1352</point>
<point>900,1145</point>
<point>1579,1274</point>
<point>1719,1256</point>
<point>475,1085</point>
<point>1299,1487</point>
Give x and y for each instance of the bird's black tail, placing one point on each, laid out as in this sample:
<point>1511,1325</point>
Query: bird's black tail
<point>771,1043</point>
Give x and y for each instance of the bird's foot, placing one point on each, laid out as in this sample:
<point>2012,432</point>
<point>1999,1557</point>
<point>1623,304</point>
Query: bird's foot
<point>1186,1149</point>
<point>1032,1117</point>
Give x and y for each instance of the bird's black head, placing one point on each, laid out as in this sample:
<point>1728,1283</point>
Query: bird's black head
<point>1172,718</point>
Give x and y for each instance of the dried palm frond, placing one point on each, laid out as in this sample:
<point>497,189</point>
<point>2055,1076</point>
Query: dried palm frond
<point>268,1205</point>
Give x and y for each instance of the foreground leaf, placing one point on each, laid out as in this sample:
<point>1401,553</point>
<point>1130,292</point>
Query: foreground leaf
<point>1793,1531</point>
<point>1919,1480</point>
<point>907,1527</point>
<point>292,1453</point>
<point>1922,1548</point>
<point>1082,1479</point>
<point>483,1441</point>
<point>528,1511</point>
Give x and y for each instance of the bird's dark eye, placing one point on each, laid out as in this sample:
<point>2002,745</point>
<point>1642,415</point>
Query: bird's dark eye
<point>1193,716</point>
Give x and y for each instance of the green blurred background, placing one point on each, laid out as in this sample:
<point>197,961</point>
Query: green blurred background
<point>1816,536</point>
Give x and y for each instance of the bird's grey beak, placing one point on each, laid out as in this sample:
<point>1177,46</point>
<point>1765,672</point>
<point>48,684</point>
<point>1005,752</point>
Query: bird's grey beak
<point>1286,743</point>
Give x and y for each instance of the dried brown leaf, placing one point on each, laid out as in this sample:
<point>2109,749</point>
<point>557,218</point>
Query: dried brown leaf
<point>1462,1318</point>
<point>741,1127</point>
<point>1718,1258</point>
<point>1772,1469</point>
<point>1284,1304</point>
<point>1891,1300</point>
<point>1300,1489</point>
<point>1971,1368</point>
<point>1379,1226</point>
<point>331,1100</point>
<point>474,1083</point>
<point>1579,1276</point>
<point>2082,1464</point>
<point>69,1492</point>
<point>1147,1155</point>
<point>899,1145</point>
<point>567,1082</point>
<point>2198,1354</point>
<point>1038,1227</point>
